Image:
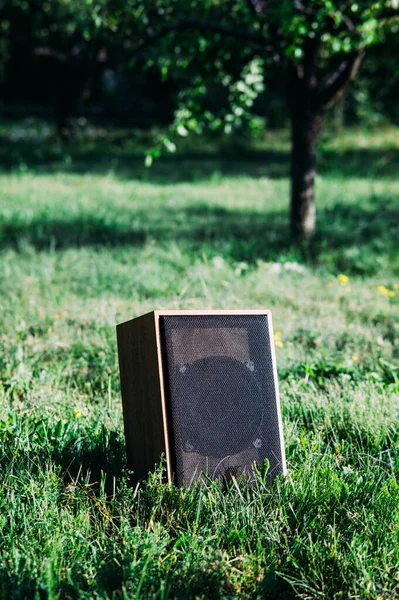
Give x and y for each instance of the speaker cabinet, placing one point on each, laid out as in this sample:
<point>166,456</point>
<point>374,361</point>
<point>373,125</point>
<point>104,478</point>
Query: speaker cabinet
<point>201,388</point>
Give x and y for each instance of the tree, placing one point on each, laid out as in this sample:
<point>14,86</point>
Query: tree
<point>315,46</point>
<point>61,37</point>
<point>216,48</point>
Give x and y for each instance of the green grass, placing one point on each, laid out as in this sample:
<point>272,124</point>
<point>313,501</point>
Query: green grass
<point>89,238</point>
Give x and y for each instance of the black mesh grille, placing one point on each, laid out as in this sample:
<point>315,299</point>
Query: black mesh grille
<point>221,395</point>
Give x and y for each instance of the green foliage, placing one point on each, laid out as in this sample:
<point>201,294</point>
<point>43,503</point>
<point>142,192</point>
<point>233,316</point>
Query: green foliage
<point>230,49</point>
<point>92,241</point>
<point>224,58</point>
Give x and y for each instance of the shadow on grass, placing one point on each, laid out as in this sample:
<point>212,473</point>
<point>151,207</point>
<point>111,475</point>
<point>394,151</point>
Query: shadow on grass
<point>240,235</point>
<point>112,579</point>
<point>99,460</point>
<point>127,163</point>
<point>125,159</point>
<point>84,457</point>
<point>272,587</point>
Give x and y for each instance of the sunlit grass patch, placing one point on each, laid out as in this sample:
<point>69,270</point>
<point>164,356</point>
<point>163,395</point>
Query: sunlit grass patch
<point>82,249</point>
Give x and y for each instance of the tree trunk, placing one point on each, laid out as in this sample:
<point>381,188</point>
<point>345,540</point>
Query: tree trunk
<point>308,103</point>
<point>304,131</point>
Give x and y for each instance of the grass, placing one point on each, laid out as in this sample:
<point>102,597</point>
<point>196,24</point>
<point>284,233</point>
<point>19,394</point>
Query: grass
<point>88,238</point>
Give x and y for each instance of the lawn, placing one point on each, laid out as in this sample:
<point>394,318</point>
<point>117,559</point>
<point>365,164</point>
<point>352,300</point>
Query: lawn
<point>89,237</point>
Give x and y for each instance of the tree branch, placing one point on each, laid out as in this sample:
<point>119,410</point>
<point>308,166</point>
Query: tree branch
<point>257,7</point>
<point>348,23</point>
<point>335,85</point>
<point>309,62</point>
<point>187,24</point>
<point>304,11</point>
<point>51,53</point>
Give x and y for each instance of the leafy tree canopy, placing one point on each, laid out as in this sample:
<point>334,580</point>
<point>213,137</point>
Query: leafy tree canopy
<point>223,49</point>
<point>230,43</point>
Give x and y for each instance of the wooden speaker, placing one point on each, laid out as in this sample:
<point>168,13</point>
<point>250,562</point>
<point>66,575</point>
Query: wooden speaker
<point>200,387</point>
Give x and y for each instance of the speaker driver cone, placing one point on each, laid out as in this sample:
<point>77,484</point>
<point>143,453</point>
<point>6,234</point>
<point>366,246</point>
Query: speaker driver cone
<point>220,406</point>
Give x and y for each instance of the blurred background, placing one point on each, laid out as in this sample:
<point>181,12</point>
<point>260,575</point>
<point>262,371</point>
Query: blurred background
<point>81,68</point>
<point>199,154</point>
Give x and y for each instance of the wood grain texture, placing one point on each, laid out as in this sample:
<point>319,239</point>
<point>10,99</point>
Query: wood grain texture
<point>275,376</point>
<point>141,394</point>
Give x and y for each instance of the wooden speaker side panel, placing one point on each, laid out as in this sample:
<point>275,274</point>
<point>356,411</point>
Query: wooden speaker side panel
<point>141,394</point>
<point>275,376</point>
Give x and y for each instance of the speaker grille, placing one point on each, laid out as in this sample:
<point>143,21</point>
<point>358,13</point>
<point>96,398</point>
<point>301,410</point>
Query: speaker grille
<point>221,395</point>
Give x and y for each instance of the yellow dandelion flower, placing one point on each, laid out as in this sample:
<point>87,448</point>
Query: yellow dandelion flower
<point>78,413</point>
<point>381,289</point>
<point>343,279</point>
<point>62,314</point>
<point>277,339</point>
<point>355,357</point>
